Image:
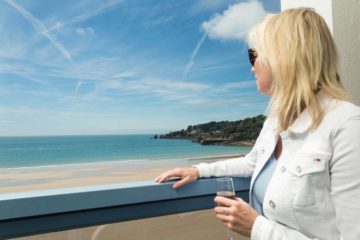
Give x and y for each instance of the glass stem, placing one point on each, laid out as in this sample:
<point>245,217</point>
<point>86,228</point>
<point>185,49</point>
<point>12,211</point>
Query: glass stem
<point>229,235</point>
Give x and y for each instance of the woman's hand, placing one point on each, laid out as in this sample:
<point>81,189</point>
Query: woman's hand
<point>186,174</point>
<point>236,214</point>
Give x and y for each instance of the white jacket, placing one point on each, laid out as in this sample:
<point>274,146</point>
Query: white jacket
<point>315,189</point>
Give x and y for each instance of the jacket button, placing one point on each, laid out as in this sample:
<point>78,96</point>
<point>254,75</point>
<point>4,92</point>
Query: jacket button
<point>298,169</point>
<point>283,169</point>
<point>291,135</point>
<point>272,204</point>
<point>262,151</point>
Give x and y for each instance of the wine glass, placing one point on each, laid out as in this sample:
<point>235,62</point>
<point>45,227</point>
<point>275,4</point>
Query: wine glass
<point>225,188</point>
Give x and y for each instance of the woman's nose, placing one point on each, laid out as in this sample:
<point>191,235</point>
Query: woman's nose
<point>252,69</point>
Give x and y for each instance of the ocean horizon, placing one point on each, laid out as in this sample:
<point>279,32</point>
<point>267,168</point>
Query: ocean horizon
<point>34,151</point>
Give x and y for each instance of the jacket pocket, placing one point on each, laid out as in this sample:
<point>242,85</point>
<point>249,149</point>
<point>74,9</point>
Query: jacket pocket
<point>307,173</point>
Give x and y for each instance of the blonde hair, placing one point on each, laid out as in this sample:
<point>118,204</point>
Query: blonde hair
<point>298,48</point>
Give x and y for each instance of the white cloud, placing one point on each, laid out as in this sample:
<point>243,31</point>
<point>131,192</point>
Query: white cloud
<point>166,90</point>
<point>85,31</point>
<point>193,55</point>
<point>85,16</point>
<point>210,5</point>
<point>124,74</point>
<point>235,22</point>
<point>238,85</point>
<point>40,27</point>
<point>161,86</point>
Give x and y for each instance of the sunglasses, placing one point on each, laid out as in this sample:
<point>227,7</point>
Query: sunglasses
<point>252,56</point>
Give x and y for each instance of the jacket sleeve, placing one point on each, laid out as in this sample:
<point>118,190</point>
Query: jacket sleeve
<point>235,167</point>
<point>345,180</point>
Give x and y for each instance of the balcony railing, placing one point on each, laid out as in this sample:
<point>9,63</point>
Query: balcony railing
<point>36,212</point>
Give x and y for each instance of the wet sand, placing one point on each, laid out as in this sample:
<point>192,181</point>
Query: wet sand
<point>89,174</point>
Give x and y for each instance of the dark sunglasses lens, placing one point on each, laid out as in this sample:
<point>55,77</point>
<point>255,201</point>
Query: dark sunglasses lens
<point>252,56</point>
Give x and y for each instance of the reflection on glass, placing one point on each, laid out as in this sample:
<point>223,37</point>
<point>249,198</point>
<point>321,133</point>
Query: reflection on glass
<point>198,225</point>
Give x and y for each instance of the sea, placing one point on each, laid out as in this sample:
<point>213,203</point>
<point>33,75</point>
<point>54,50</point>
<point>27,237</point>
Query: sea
<point>17,152</point>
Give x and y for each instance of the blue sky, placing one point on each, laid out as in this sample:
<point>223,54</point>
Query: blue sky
<point>123,66</point>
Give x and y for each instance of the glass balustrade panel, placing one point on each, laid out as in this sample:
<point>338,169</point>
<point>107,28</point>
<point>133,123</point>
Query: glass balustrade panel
<point>197,225</point>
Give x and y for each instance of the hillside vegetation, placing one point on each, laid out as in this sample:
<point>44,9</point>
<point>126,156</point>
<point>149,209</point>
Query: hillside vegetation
<point>241,132</point>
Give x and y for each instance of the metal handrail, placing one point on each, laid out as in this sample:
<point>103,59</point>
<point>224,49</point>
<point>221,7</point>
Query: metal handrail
<point>36,212</point>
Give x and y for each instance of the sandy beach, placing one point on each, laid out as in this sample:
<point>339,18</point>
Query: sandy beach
<point>89,174</point>
<point>194,225</point>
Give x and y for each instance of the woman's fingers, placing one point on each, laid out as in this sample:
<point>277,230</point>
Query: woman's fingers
<point>186,174</point>
<point>222,210</point>
<point>161,177</point>
<point>182,182</point>
<point>223,201</point>
<point>168,174</point>
<point>224,218</point>
<point>235,214</point>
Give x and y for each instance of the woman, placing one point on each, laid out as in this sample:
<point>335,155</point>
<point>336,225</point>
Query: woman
<point>306,160</point>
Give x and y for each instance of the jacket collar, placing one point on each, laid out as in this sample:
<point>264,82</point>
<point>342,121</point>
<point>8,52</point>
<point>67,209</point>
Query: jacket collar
<point>304,121</point>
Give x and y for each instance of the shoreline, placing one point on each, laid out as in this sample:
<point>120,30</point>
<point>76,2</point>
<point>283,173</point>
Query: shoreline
<point>85,164</point>
<point>71,164</point>
<point>215,158</point>
<point>26,179</point>
<point>213,141</point>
